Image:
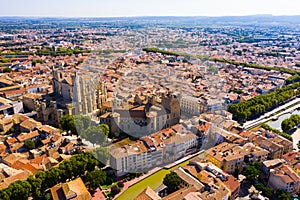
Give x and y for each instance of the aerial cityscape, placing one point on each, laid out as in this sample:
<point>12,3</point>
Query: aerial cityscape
<point>136,100</point>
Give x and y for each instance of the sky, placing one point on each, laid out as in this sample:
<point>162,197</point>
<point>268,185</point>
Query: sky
<point>126,8</point>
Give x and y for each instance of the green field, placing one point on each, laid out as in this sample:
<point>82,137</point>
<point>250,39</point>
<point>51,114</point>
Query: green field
<point>153,181</point>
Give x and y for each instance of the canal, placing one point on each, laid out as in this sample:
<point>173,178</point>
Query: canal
<point>277,125</point>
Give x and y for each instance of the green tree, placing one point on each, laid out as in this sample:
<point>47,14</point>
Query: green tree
<point>29,144</point>
<point>91,162</point>
<point>78,167</point>
<point>265,190</point>
<point>52,177</point>
<point>67,170</point>
<point>251,172</point>
<point>290,123</point>
<point>256,106</point>
<point>172,181</point>
<point>7,70</point>
<point>35,186</point>
<point>95,134</point>
<point>48,196</point>
<point>38,184</point>
<point>82,123</point>
<point>4,195</point>
<point>282,195</point>
<point>114,190</point>
<point>285,135</point>
<point>34,62</point>
<point>105,129</point>
<point>67,124</point>
<point>20,190</point>
<point>96,178</point>
<point>10,131</point>
<point>102,154</point>
<point>236,173</point>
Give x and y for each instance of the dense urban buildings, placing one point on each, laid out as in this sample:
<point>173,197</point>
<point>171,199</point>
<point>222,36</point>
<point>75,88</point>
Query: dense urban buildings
<point>150,108</point>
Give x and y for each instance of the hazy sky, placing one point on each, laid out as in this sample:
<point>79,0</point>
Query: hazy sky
<point>108,8</point>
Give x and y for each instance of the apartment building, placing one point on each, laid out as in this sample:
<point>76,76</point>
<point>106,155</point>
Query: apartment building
<point>227,156</point>
<point>284,178</point>
<point>150,151</point>
<point>276,150</point>
<point>191,105</point>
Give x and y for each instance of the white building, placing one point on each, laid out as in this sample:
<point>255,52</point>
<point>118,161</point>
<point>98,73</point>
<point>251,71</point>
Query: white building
<point>148,152</point>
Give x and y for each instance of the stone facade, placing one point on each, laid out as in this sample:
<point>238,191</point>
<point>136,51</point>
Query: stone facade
<point>73,93</point>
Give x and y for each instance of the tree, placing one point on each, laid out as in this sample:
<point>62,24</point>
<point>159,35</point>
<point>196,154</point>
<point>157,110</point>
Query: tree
<point>96,178</point>
<point>67,170</point>
<point>35,186</point>
<point>114,190</point>
<point>82,123</point>
<point>105,129</point>
<point>7,70</point>
<point>20,190</point>
<point>251,172</point>
<point>121,183</point>
<point>29,144</point>
<point>10,131</point>
<point>67,124</point>
<point>236,173</point>
<point>290,123</point>
<point>285,135</point>
<point>52,177</point>
<point>34,62</point>
<point>4,195</point>
<point>265,190</point>
<point>48,196</point>
<point>91,162</point>
<point>102,154</point>
<point>38,184</point>
<point>78,167</point>
<point>282,195</point>
<point>256,106</point>
<point>95,134</point>
<point>172,181</point>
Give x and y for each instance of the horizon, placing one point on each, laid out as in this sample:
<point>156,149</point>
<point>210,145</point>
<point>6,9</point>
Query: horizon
<point>145,16</point>
<point>139,8</point>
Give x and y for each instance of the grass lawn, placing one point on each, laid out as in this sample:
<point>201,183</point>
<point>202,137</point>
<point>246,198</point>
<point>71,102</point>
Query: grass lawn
<point>153,181</point>
<point>108,186</point>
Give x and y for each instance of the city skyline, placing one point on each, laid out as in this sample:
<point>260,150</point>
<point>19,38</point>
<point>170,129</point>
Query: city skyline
<point>129,8</point>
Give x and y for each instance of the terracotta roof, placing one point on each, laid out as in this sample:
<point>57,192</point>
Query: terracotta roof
<point>147,194</point>
<point>180,194</point>
<point>11,141</point>
<point>232,183</point>
<point>49,129</point>
<point>39,159</point>
<point>12,158</point>
<point>26,136</point>
<point>205,127</point>
<point>286,174</point>
<point>30,124</point>
<point>188,178</point>
<point>20,176</point>
<point>75,190</point>
<point>22,90</point>
<point>32,96</point>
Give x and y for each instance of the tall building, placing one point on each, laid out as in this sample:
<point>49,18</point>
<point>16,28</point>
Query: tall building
<point>74,93</point>
<point>142,119</point>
